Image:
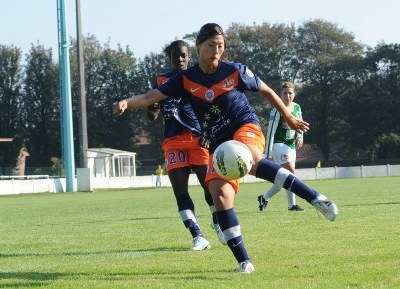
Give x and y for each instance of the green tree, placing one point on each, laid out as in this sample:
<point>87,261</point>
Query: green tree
<point>268,50</point>
<point>148,69</point>
<point>10,103</point>
<point>41,106</point>
<point>373,105</point>
<point>110,75</point>
<point>329,58</point>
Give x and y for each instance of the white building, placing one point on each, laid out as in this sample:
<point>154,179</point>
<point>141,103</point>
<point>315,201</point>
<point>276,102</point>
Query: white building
<point>107,162</point>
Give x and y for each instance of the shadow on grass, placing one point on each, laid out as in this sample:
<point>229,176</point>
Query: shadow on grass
<point>28,279</point>
<point>88,253</point>
<point>39,279</point>
<point>22,285</point>
<point>107,221</point>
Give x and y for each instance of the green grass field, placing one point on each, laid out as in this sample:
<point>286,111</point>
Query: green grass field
<point>135,239</point>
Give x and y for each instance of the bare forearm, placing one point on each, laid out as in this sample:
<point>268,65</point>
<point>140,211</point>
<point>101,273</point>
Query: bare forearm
<point>138,101</point>
<point>144,100</point>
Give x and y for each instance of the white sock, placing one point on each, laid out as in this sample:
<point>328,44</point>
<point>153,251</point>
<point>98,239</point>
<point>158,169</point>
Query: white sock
<point>291,198</point>
<point>272,191</point>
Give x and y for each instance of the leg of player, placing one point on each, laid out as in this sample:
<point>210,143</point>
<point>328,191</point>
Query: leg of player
<point>201,171</point>
<point>292,206</point>
<point>274,173</point>
<point>263,199</point>
<point>179,178</point>
<point>223,195</point>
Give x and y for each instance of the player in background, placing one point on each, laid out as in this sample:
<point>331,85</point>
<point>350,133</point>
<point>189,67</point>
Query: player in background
<point>282,142</point>
<point>182,147</point>
<point>159,172</point>
<point>215,89</point>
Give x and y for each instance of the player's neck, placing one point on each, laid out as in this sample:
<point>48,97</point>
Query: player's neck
<point>208,68</point>
<point>290,106</point>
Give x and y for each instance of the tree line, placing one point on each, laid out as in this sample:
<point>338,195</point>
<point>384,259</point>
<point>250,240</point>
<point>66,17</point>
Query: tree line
<point>349,92</point>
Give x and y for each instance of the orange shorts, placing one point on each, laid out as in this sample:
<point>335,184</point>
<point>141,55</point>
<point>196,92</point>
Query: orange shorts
<point>247,134</point>
<point>183,151</point>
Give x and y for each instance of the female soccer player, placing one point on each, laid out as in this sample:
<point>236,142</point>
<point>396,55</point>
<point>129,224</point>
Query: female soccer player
<point>282,143</point>
<point>182,150</point>
<point>215,89</point>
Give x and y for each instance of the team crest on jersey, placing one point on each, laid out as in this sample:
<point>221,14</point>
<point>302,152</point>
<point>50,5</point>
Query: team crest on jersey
<point>209,95</point>
<point>249,73</point>
<point>228,83</point>
<point>251,134</point>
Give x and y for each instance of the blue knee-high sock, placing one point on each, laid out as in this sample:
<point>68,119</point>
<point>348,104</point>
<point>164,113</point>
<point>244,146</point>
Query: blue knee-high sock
<point>186,211</point>
<point>229,224</point>
<point>281,177</point>
<point>213,214</point>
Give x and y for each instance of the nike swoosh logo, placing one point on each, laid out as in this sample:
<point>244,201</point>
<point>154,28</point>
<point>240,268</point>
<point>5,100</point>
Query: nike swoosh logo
<point>193,90</point>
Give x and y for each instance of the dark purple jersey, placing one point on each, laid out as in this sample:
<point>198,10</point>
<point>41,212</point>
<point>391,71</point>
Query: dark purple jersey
<point>177,112</point>
<point>217,99</point>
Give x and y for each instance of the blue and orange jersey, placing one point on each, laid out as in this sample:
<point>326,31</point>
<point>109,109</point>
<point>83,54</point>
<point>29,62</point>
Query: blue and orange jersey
<point>217,99</point>
<point>177,112</point>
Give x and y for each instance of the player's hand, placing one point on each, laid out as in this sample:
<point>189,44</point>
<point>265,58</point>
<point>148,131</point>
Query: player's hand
<point>299,142</point>
<point>154,107</point>
<point>298,124</point>
<point>204,143</point>
<point>152,111</point>
<point>120,107</point>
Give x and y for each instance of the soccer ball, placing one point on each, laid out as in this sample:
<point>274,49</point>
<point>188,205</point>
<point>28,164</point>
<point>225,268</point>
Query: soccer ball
<point>232,160</point>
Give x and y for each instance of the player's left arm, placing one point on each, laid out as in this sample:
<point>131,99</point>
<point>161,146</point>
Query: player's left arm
<point>299,134</point>
<point>153,111</point>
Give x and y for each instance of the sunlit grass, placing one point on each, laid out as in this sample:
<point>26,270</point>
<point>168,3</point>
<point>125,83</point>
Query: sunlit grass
<point>135,239</point>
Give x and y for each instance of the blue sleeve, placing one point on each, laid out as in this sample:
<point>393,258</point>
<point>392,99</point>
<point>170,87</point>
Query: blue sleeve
<point>172,87</point>
<point>247,79</point>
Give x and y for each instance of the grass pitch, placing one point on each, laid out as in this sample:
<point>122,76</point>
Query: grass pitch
<point>135,239</point>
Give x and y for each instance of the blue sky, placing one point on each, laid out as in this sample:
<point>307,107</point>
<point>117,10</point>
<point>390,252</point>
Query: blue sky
<point>147,25</point>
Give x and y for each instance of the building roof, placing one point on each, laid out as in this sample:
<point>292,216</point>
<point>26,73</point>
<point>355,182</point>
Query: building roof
<point>112,152</point>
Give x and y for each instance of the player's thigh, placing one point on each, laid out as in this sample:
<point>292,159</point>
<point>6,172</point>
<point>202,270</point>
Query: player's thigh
<point>179,178</point>
<point>283,154</point>
<point>252,136</point>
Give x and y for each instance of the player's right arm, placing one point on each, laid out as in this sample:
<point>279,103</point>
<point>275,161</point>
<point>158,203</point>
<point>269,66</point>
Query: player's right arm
<point>275,100</point>
<point>138,101</point>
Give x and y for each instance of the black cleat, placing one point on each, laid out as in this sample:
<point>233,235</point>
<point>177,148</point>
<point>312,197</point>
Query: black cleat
<point>296,208</point>
<point>262,203</point>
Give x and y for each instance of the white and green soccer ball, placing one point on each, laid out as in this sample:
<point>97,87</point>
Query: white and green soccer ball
<point>232,160</point>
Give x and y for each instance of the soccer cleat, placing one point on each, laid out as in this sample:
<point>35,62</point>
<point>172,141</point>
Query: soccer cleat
<point>245,267</point>
<point>200,243</point>
<point>262,203</point>
<point>220,235</point>
<point>295,208</point>
<point>326,207</point>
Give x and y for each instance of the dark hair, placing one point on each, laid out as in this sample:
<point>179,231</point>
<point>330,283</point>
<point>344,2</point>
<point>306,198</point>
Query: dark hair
<point>174,44</point>
<point>209,30</point>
